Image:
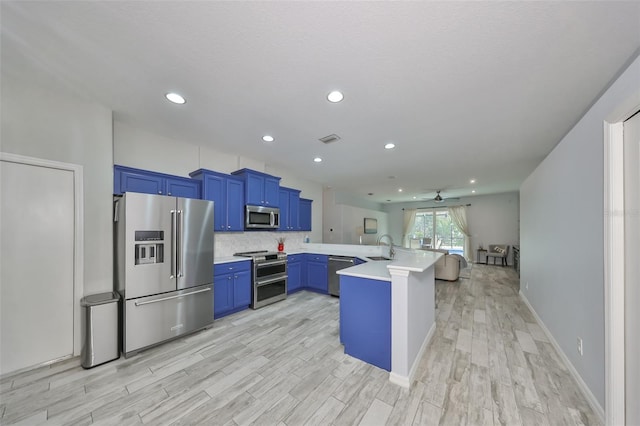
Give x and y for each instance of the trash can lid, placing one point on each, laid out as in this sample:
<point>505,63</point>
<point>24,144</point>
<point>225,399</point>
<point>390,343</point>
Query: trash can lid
<point>99,299</point>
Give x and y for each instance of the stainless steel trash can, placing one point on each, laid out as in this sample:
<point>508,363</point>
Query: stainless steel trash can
<point>100,329</point>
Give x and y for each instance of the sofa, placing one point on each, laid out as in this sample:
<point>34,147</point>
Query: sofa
<point>447,267</point>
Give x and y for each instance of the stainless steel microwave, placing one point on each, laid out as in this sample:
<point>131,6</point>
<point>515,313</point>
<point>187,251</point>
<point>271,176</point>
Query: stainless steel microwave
<point>258,217</point>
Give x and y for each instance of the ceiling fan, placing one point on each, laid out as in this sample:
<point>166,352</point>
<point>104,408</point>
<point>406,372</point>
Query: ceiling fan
<point>438,198</point>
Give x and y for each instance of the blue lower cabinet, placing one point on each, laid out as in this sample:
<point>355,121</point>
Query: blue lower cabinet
<point>294,272</point>
<point>231,288</point>
<point>242,289</point>
<point>222,295</point>
<point>365,320</point>
<point>318,273</point>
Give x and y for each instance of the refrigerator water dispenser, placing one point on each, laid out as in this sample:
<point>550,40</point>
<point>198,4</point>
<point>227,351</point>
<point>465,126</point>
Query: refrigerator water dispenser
<point>147,250</point>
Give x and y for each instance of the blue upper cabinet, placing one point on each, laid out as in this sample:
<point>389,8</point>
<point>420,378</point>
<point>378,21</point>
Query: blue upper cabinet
<point>261,189</point>
<point>304,216</point>
<point>227,194</point>
<point>127,179</point>
<point>289,209</point>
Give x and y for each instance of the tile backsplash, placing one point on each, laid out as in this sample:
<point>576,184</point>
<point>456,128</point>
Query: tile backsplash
<point>228,243</point>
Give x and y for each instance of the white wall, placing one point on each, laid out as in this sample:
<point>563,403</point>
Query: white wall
<point>344,223</point>
<point>135,147</point>
<point>562,240</point>
<point>492,219</point>
<point>41,118</point>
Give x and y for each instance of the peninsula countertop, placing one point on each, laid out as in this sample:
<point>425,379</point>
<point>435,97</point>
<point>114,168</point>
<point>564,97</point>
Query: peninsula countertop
<point>405,260</point>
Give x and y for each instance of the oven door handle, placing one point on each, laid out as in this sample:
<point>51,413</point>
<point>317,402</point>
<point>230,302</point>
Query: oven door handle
<point>271,280</point>
<point>271,263</point>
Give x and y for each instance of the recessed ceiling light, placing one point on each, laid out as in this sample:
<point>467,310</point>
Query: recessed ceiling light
<point>267,138</point>
<point>335,96</point>
<point>390,146</point>
<point>473,191</point>
<point>415,198</point>
<point>399,189</point>
<point>317,159</point>
<point>472,181</point>
<point>175,98</point>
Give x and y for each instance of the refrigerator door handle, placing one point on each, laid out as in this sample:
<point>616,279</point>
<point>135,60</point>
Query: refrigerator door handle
<point>173,243</point>
<point>179,245</point>
<point>163,299</point>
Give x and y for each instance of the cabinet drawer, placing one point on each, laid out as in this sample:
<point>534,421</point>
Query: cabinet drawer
<point>226,268</point>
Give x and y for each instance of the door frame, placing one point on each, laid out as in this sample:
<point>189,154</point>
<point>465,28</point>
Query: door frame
<point>614,255</point>
<point>78,226</point>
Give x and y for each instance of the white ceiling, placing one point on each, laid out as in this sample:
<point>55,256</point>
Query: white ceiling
<point>465,90</point>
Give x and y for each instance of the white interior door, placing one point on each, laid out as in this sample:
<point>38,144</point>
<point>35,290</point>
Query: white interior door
<point>632,267</point>
<point>37,265</point>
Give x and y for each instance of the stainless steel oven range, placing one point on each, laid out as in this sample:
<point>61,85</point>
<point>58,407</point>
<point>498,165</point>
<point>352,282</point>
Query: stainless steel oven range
<point>269,277</point>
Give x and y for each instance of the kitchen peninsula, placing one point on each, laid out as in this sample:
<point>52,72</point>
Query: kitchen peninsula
<point>387,309</point>
<point>387,312</point>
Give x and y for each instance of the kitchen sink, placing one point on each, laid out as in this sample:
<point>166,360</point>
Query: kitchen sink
<point>378,258</point>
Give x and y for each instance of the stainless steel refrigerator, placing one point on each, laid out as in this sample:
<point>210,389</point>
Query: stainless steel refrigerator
<point>163,267</point>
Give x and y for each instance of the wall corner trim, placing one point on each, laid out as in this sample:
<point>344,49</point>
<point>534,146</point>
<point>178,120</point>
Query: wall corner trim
<point>591,399</point>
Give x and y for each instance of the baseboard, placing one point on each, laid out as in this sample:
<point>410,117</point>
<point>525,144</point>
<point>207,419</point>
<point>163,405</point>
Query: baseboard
<point>591,399</point>
<point>403,381</point>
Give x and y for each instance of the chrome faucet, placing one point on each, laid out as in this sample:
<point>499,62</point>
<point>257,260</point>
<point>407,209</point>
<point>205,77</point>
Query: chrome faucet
<point>392,252</point>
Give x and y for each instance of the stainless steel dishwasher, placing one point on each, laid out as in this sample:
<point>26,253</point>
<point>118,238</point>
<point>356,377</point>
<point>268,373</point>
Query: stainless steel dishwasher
<point>335,264</point>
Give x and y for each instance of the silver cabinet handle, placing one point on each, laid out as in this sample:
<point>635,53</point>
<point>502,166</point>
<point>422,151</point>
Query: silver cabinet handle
<point>173,297</point>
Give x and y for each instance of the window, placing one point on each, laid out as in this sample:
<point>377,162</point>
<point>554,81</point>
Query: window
<point>437,225</point>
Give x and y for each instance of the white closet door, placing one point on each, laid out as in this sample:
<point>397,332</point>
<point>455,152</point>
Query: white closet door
<point>632,267</point>
<point>36,255</point>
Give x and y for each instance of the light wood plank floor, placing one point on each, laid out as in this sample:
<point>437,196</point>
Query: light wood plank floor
<point>489,364</point>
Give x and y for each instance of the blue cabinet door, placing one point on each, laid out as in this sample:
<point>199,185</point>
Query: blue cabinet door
<point>235,205</point>
<point>294,271</point>
<point>213,189</point>
<point>260,189</point>
<point>271,191</point>
<point>242,289</point>
<point>284,210</point>
<point>365,319</point>
<point>289,209</point>
<point>304,216</point>
<point>222,294</point>
<point>294,211</point>
<point>127,180</point>
<point>255,190</point>
<point>318,272</point>
<point>183,187</point>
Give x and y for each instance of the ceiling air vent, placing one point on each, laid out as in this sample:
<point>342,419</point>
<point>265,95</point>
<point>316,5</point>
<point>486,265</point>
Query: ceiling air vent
<point>330,138</point>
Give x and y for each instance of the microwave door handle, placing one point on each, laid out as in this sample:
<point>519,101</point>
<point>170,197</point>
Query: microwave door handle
<point>272,218</point>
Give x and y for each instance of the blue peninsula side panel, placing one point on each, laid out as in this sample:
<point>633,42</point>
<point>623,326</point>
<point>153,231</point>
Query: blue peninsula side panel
<point>365,319</point>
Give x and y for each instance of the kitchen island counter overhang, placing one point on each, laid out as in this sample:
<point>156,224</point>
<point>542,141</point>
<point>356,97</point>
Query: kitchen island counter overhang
<point>387,312</point>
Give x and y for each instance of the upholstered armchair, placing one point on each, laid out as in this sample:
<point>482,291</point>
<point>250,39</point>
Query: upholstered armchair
<point>498,251</point>
<point>447,267</point>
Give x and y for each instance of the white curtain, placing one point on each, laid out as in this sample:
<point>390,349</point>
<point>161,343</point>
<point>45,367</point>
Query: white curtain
<point>409,221</point>
<point>459,218</point>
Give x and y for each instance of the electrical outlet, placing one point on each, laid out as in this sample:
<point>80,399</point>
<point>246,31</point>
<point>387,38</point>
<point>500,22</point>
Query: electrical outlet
<point>580,346</point>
